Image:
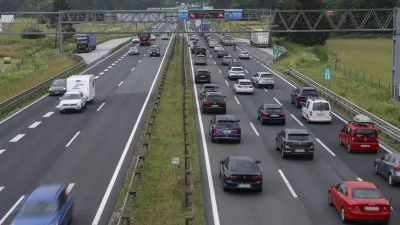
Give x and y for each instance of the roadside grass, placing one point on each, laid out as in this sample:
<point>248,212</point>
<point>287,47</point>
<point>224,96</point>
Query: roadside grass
<point>158,199</point>
<point>357,52</point>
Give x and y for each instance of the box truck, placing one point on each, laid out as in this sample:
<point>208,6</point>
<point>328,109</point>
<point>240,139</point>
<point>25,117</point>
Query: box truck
<point>85,42</point>
<point>83,83</point>
<point>259,39</point>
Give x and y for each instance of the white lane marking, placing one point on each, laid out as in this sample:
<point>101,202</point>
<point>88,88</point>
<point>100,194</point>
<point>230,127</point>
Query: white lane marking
<point>72,139</point>
<point>101,73</point>
<point>116,61</point>
<point>258,61</point>
<point>96,77</point>
<point>278,101</point>
<point>17,138</point>
<point>219,71</point>
<point>105,70</point>
<point>119,59</point>
<point>255,131</point>
<point>12,209</point>
<point>48,114</point>
<point>120,83</point>
<point>127,146</point>
<point>359,179</point>
<point>215,63</point>
<point>210,56</point>
<point>237,100</point>
<point>298,121</point>
<point>101,106</point>
<point>246,71</point>
<point>113,64</point>
<point>1,188</point>
<point>206,156</point>
<point>109,67</point>
<point>287,183</point>
<point>35,124</point>
<point>139,61</point>
<point>226,82</point>
<point>133,69</point>
<point>265,90</point>
<point>326,147</point>
<point>69,188</point>
<point>2,150</point>
<point>122,57</point>
<point>145,54</point>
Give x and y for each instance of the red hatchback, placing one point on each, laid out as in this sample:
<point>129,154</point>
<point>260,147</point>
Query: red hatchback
<point>359,201</point>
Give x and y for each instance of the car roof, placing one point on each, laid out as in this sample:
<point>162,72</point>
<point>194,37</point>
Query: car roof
<point>225,117</point>
<point>202,70</point>
<point>272,106</point>
<point>318,100</point>
<point>308,88</point>
<point>45,192</point>
<point>244,80</point>
<point>264,73</point>
<point>241,159</point>
<point>296,131</point>
<point>359,184</point>
<point>73,92</point>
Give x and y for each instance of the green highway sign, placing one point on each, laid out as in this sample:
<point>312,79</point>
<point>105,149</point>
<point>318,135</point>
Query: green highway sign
<point>275,51</point>
<point>327,73</point>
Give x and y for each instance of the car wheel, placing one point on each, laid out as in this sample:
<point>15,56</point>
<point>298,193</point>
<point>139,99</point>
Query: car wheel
<point>283,154</point>
<point>343,216</point>
<point>291,101</point>
<point>272,86</point>
<point>276,145</point>
<point>212,138</point>
<point>298,104</point>
<point>376,169</point>
<point>390,180</point>
<point>329,198</point>
<point>238,141</point>
<point>349,148</point>
<point>340,141</point>
<point>283,122</point>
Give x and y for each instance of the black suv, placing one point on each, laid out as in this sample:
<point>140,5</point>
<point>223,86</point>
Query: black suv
<point>201,51</point>
<point>299,95</point>
<point>155,50</point>
<point>225,127</point>
<point>213,102</point>
<point>294,142</point>
<point>207,88</point>
<point>222,53</point>
<point>202,75</point>
<point>271,113</point>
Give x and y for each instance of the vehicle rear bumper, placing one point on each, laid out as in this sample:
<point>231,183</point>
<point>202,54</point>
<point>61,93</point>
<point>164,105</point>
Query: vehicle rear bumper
<point>373,217</point>
<point>232,185</point>
<point>293,152</point>
<point>244,90</point>
<point>69,109</point>
<point>274,119</point>
<point>53,93</point>
<point>214,109</point>
<point>202,79</point>
<point>319,119</point>
<point>236,76</point>
<point>357,146</point>
<point>200,63</point>
<point>233,137</point>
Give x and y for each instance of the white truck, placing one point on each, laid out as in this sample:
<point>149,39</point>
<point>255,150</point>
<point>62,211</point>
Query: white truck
<point>84,84</point>
<point>259,39</point>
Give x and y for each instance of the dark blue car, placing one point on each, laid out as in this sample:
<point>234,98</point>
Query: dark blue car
<point>48,204</point>
<point>225,127</point>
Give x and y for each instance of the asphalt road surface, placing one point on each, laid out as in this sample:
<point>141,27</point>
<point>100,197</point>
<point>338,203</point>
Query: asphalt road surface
<point>295,190</point>
<point>83,150</point>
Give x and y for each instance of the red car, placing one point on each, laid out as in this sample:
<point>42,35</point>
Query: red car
<point>359,201</point>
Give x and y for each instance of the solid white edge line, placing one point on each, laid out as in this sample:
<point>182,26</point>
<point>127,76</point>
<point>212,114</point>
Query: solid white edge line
<point>206,156</point>
<point>237,100</point>
<point>101,106</point>
<point>133,69</point>
<point>101,73</point>
<point>72,139</point>
<point>359,179</point>
<point>48,114</point>
<point>128,145</point>
<point>255,131</point>
<point>2,150</point>
<point>113,64</point>
<point>35,124</point>
<point>326,147</point>
<point>105,70</point>
<point>246,71</point>
<point>215,63</point>
<point>69,188</point>
<point>287,183</point>
<point>1,188</point>
<point>109,67</point>
<point>278,101</point>
<point>226,82</point>
<point>139,61</point>
<point>17,138</point>
<point>120,83</point>
<point>12,209</point>
<point>298,121</point>
<point>219,71</point>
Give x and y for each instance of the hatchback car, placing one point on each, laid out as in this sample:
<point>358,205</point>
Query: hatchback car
<point>263,79</point>
<point>236,73</point>
<point>155,51</point>
<point>241,173</point>
<point>58,87</point>
<point>224,127</point>
<point>359,201</point>
<point>207,88</point>
<point>243,86</point>
<point>271,113</point>
<point>49,204</point>
<point>244,55</point>
<point>164,37</point>
<point>202,75</point>
<point>200,59</point>
<point>294,142</point>
<point>299,95</point>
<point>133,51</point>
<point>389,167</point>
<point>213,102</point>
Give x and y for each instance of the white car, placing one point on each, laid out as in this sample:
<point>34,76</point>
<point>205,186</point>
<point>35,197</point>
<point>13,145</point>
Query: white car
<point>243,86</point>
<point>244,55</point>
<point>236,73</point>
<point>72,101</point>
<point>212,44</point>
<point>135,40</point>
<point>218,48</point>
<point>317,110</point>
<point>263,79</point>
<point>153,38</point>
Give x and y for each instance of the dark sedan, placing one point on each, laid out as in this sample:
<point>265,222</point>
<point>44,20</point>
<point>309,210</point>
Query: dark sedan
<point>294,142</point>
<point>207,88</point>
<point>193,48</point>
<point>272,113</point>
<point>213,102</point>
<point>241,173</point>
<point>200,59</point>
<point>225,127</point>
<point>58,87</point>
<point>389,167</point>
<point>202,75</point>
<point>222,53</point>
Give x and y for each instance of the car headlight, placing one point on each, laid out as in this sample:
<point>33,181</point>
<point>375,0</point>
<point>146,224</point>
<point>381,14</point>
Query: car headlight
<point>49,89</point>
<point>64,89</point>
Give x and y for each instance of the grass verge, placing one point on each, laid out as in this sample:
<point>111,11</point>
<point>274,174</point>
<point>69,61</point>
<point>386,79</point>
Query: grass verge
<point>159,200</point>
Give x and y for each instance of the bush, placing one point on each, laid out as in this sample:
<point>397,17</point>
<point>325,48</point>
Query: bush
<point>32,36</point>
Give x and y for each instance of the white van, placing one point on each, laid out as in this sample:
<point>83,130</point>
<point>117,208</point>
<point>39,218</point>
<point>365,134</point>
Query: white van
<point>83,83</point>
<point>317,110</point>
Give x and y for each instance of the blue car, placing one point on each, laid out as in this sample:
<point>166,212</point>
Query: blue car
<point>224,127</point>
<point>48,204</point>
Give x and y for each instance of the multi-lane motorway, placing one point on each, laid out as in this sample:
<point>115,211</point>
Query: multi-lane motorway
<point>85,151</point>
<point>295,190</point>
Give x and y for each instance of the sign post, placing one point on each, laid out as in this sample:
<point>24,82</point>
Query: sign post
<point>275,51</point>
<point>175,161</point>
<point>327,75</point>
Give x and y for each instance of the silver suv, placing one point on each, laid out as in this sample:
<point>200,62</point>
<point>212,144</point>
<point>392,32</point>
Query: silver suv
<point>263,79</point>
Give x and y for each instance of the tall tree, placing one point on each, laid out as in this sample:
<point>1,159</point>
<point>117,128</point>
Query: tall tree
<point>59,5</point>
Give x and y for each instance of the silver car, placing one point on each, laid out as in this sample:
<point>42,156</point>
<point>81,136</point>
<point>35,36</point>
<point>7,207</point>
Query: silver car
<point>226,60</point>
<point>244,55</point>
<point>133,51</point>
<point>212,44</point>
<point>218,48</point>
<point>164,37</point>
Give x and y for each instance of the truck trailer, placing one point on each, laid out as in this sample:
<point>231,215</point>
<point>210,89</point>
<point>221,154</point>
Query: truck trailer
<point>259,39</point>
<point>85,42</point>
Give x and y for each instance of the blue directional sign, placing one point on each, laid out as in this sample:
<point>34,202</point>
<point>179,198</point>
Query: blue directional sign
<point>235,14</point>
<point>183,14</point>
<point>327,73</point>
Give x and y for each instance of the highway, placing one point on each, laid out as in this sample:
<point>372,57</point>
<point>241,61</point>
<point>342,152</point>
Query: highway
<point>88,151</point>
<point>295,190</point>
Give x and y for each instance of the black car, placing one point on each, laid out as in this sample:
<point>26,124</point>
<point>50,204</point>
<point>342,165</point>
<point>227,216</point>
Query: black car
<point>208,88</point>
<point>193,48</point>
<point>155,50</point>
<point>202,75</point>
<point>271,113</point>
<point>389,167</point>
<point>213,102</point>
<point>58,87</point>
<point>299,95</point>
<point>294,142</point>
<point>201,51</point>
<point>225,127</point>
<point>241,173</point>
<point>222,53</point>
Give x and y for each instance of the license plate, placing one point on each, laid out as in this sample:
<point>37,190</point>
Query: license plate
<point>274,115</point>
<point>227,131</point>
<point>320,114</point>
<point>365,146</point>
<point>371,208</point>
<point>299,150</point>
<point>214,105</point>
<point>244,186</point>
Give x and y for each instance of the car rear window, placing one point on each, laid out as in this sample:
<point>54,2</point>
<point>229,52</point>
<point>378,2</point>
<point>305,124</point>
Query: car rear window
<point>245,83</point>
<point>242,167</point>
<point>210,89</point>
<point>215,98</point>
<point>266,75</point>
<point>201,49</point>
<point>245,53</point>
<point>368,193</point>
<point>237,69</point>
<point>310,93</point>
<point>323,106</point>
<point>227,123</point>
<point>202,72</point>
<point>39,207</point>
<point>153,49</point>
<point>236,64</point>
<point>59,82</point>
<point>274,110</point>
<point>228,57</point>
<point>299,137</point>
<point>365,133</point>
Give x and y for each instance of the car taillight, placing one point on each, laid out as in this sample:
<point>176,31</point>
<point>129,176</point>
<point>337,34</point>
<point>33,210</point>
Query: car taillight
<point>282,114</point>
<point>215,129</point>
<point>288,143</point>
<point>222,103</point>
<point>301,96</point>
<point>232,177</point>
<point>256,177</point>
<point>206,102</point>
<point>386,208</point>
<point>330,114</point>
<point>352,139</point>
<point>397,168</point>
<point>310,113</point>
<point>265,114</point>
<point>354,208</point>
<point>197,75</point>
<point>310,143</point>
<point>209,74</point>
<point>251,86</point>
<point>239,86</point>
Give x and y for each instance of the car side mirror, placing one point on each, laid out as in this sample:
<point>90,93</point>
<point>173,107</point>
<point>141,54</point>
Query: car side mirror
<point>258,161</point>
<point>237,120</point>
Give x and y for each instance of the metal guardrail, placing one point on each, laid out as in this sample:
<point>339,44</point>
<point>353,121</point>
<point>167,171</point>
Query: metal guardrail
<point>142,150</point>
<point>383,126</point>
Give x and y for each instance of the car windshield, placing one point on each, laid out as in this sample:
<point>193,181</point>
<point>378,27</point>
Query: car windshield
<point>215,98</point>
<point>237,69</point>
<point>266,75</point>
<point>227,123</point>
<point>368,193</point>
<point>133,49</point>
<point>42,207</point>
<point>153,49</point>
<point>245,83</point>
<point>58,83</point>
<point>310,93</point>
<point>71,96</point>
<point>238,64</point>
<point>323,106</point>
<point>365,133</point>
<point>242,166</point>
<point>274,110</point>
<point>299,137</point>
